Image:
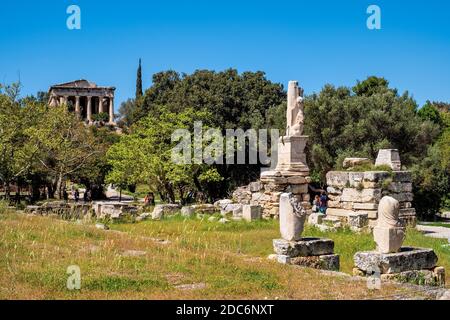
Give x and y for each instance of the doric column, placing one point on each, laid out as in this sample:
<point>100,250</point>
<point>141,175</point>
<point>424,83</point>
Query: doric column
<point>61,100</point>
<point>100,104</point>
<point>77,106</point>
<point>111,110</point>
<point>89,109</point>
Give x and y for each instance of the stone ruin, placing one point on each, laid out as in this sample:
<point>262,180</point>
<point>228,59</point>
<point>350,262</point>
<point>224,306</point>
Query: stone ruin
<point>391,261</point>
<point>291,173</point>
<point>354,196</point>
<point>104,210</point>
<point>285,192</point>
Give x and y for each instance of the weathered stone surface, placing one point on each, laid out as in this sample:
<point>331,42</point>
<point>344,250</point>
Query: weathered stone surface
<point>372,214</point>
<point>299,189</point>
<point>292,217</point>
<point>388,233</point>
<point>405,260</point>
<point>403,197</point>
<point>337,178</point>
<point>389,157</point>
<point>376,176</point>
<point>187,211</point>
<point>388,240</point>
<point>304,247</point>
<point>325,262</point>
<point>435,277</point>
<point>251,212</point>
<point>315,218</point>
<point>400,187</point>
<point>352,162</point>
<point>255,186</point>
<point>332,190</point>
<point>355,179</point>
<point>365,195</point>
<point>339,212</point>
<point>358,220</point>
<point>365,206</point>
<point>161,209</point>
<point>259,197</point>
<point>297,179</point>
<point>402,176</point>
<point>230,208</point>
<point>220,204</point>
<point>205,208</point>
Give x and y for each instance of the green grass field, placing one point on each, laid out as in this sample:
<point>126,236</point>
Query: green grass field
<point>173,259</point>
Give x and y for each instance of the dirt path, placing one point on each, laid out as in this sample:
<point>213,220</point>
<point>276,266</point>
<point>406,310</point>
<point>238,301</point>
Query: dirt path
<point>435,232</point>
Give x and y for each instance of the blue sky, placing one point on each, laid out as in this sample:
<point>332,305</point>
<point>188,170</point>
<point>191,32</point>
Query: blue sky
<point>314,42</point>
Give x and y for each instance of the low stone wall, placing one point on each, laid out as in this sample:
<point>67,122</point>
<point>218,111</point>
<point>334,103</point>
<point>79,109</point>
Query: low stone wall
<point>67,211</point>
<point>358,193</point>
<point>267,192</point>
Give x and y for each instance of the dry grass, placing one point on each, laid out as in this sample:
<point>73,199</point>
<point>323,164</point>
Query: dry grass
<point>171,259</point>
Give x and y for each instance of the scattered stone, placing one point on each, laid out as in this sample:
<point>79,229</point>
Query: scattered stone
<point>187,211</point>
<point>353,162</point>
<point>193,286</point>
<point>272,257</point>
<point>292,217</point>
<point>224,220</point>
<point>251,212</point>
<point>358,221</point>
<point>162,209</point>
<point>205,208</point>
<point>304,247</point>
<point>101,226</point>
<point>134,253</point>
<point>324,262</point>
<point>212,219</point>
<point>445,296</point>
<point>389,157</point>
<point>315,218</point>
<point>406,260</point>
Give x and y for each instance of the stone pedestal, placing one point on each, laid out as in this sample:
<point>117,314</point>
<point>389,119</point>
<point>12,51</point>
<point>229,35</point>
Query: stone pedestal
<point>388,239</point>
<point>414,265</point>
<point>291,154</point>
<point>315,253</point>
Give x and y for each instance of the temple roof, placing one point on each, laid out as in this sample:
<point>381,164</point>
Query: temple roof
<point>82,84</point>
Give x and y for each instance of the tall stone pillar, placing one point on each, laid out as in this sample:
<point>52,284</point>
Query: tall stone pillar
<point>77,106</point>
<point>100,104</point>
<point>111,110</point>
<point>62,100</point>
<point>89,109</point>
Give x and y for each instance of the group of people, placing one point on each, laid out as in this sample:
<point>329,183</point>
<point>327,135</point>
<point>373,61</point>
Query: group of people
<point>320,203</point>
<point>87,195</point>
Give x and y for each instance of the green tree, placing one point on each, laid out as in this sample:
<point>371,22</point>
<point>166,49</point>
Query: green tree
<point>17,150</point>
<point>66,145</point>
<point>145,156</point>
<point>431,113</point>
<point>139,81</point>
<point>341,124</point>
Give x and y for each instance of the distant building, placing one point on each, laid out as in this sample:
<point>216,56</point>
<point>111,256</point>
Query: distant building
<point>86,99</point>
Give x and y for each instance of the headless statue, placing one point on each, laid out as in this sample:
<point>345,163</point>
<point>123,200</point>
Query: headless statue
<point>295,110</point>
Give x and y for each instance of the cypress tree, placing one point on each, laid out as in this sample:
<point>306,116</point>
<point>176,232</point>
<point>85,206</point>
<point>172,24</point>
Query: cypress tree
<point>139,81</point>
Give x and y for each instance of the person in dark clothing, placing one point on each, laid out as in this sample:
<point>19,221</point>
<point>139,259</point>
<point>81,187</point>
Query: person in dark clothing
<point>65,195</point>
<point>323,203</point>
